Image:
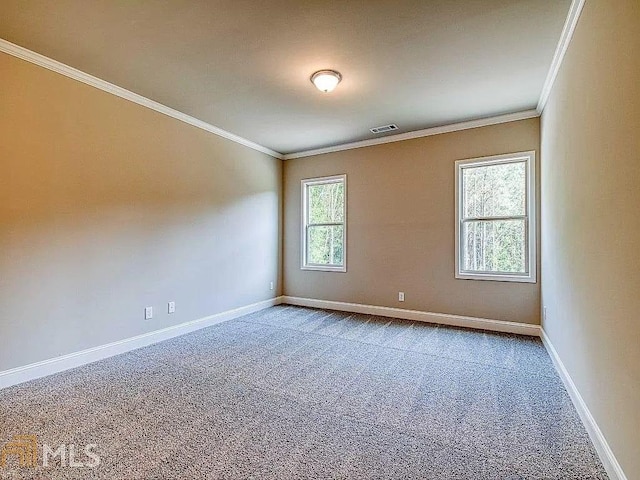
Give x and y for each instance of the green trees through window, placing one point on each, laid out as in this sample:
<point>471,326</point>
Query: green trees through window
<point>494,200</point>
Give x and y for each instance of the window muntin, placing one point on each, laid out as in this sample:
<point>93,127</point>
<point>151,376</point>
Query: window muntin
<point>495,224</point>
<point>323,222</point>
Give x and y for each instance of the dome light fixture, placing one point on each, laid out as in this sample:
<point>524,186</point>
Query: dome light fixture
<point>326,80</point>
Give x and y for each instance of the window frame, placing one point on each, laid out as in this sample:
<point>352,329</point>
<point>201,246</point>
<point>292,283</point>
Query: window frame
<point>530,276</point>
<point>305,183</point>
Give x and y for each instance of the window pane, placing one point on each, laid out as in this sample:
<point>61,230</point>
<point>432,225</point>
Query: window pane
<point>325,245</point>
<point>494,246</point>
<point>494,190</point>
<point>326,203</point>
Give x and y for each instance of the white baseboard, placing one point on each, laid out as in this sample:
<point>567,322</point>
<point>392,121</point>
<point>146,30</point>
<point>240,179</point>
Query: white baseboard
<point>419,316</point>
<point>77,359</point>
<point>609,461</point>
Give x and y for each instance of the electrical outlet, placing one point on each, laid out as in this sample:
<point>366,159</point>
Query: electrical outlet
<point>171,307</point>
<point>148,313</point>
<point>271,286</point>
<point>544,314</point>
<point>401,296</point>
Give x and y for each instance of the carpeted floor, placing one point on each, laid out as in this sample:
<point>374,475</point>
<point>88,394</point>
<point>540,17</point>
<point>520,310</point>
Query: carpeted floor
<point>293,392</point>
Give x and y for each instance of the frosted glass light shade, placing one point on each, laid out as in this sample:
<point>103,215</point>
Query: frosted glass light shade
<point>326,80</point>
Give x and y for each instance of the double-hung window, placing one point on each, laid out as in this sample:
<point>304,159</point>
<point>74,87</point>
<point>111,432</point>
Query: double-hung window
<point>324,233</point>
<point>495,218</point>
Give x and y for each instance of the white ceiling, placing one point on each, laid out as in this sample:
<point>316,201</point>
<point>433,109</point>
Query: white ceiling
<point>244,65</point>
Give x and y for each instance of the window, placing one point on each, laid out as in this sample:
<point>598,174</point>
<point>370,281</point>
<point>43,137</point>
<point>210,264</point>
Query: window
<point>495,218</point>
<point>324,236</point>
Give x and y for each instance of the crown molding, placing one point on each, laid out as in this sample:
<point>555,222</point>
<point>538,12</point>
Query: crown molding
<point>58,67</point>
<point>454,127</point>
<point>563,44</point>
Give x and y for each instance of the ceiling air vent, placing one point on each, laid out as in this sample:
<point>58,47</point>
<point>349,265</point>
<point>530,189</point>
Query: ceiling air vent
<point>384,129</point>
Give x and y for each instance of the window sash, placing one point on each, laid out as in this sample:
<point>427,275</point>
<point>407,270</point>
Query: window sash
<point>308,229</point>
<point>330,224</point>
<point>497,217</point>
<point>496,272</point>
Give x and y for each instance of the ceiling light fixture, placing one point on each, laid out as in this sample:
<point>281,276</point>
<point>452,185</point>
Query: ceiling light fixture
<point>326,80</point>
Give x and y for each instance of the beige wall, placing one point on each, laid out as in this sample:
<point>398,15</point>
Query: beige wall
<point>591,220</point>
<point>401,226</point>
<point>107,207</point>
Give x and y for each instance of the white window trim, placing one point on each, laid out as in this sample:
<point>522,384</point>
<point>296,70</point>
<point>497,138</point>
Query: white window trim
<point>530,223</point>
<point>303,260</point>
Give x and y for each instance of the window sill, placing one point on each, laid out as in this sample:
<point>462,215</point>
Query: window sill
<point>496,277</point>
<point>325,268</point>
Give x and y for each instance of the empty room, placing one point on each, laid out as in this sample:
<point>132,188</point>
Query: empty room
<point>320,239</point>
